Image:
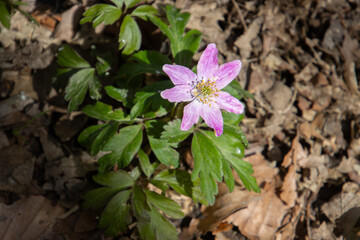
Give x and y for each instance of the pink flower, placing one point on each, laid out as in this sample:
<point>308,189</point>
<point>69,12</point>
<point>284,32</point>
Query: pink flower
<point>203,90</point>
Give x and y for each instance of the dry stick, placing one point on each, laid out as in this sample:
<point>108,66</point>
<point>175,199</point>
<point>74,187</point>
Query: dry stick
<point>240,15</point>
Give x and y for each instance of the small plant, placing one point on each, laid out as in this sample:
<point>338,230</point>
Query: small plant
<point>143,135</point>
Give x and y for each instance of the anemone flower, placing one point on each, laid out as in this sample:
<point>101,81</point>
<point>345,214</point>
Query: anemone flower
<point>203,90</point>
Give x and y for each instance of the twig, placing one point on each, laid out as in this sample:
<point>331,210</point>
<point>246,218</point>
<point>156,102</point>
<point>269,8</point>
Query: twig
<point>240,15</point>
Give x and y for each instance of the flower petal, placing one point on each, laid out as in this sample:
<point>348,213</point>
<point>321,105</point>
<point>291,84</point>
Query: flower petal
<point>179,93</point>
<point>208,63</point>
<point>227,72</point>
<point>229,103</point>
<point>191,115</point>
<point>213,118</point>
<point>179,75</point>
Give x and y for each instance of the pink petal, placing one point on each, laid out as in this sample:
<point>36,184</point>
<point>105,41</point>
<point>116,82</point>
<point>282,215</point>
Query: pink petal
<point>179,93</point>
<point>227,72</point>
<point>213,118</point>
<point>229,103</point>
<point>208,63</point>
<point>178,74</point>
<point>191,115</point>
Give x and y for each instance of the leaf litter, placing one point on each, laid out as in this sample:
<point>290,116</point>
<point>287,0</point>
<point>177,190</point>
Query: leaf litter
<point>300,61</point>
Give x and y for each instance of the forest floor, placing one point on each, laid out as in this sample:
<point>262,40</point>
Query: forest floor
<point>300,60</point>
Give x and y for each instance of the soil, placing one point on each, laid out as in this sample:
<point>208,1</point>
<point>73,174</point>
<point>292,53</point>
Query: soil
<point>300,60</point>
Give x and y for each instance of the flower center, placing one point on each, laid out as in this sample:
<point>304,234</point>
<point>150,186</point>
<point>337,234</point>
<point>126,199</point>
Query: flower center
<point>205,91</point>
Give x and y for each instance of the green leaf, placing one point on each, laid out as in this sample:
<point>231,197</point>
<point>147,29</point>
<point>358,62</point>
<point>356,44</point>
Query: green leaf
<point>144,11</point>
<point>173,133</point>
<point>116,93</point>
<point>129,36</point>
<point>163,27</point>
<point>189,46</point>
<point>158,227</point>
<point>146,62</point>
<point>148,100</point>
<point>78,84</point>
<point>180,181</point>
<point>84,136</point>
<point>99,13</point>
<point>68,58</point>
<point>235,89</point>
<point>231,146</point>
<point>176,19</point>
<point>102,66</point>
<point>164,204</point>
<point>104,112</point>
<point>124,146</point>
<point>145,164</point>
<point>5,16</point>
<point>118,3</point>
<point>207,163</point>
<point>116,217</point>
<point>232,118</point>
<point>131,3</point>
<point>98,198</point>
<point>139,204</point>
<point>96,137</point>
<point>118,179</point>
<point>161,148</point>
<point>178,22</point>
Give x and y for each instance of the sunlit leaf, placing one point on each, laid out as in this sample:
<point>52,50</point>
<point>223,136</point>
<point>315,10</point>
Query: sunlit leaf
<point>68,58</point>
<point>161,148</point>
<point>144,11</point>
<point>207,164</point>
<point>129,36</point>
<point>99,13</point>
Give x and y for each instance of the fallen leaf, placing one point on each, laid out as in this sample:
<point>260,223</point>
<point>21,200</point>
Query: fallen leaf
<point>27,218</point>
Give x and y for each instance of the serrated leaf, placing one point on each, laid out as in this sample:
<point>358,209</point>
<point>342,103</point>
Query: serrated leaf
<point>139,204</point>
<point>146,62</point>
<point>98,198</point>
<point>68,58</point>
<point>116,217</point>
<point>176,19</point>
<point>164,204</point>
<point>144,11</point>
<point>232,149</point>
<point>5,16</point>
<point>158,227</point>
<point>148,100</point>
<point>96,137</point>
<point>104,112</point>
<point>129,36</point>
<point>145,164</point>
<point>180,181</point>
<point>78,85</point>
<point>118,179</point>
<point>161,148</point>
<point>124,146</point>
<point>173,133</point>
<point>207,163</point>
<point>99,13</point>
